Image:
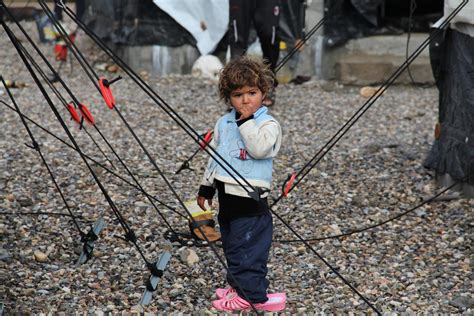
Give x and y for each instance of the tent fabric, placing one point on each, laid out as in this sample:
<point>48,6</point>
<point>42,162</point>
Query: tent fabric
<point>172,23</point>
<point>350,19</point>
<point>205,20</point>
<point>135,23</point>
<point>453,152</point>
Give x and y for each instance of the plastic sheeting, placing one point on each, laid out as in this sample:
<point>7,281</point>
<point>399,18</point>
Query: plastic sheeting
<point>205,20</point>
<point>452,154</point>
<point>201,23</point>
<point>133,22</point>
<point>350,19</point>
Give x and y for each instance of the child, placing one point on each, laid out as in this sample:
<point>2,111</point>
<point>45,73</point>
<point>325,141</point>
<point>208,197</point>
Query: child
<point>248,138</point>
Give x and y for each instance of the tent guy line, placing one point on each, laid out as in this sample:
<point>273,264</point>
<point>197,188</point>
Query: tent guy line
<point>136,79</point>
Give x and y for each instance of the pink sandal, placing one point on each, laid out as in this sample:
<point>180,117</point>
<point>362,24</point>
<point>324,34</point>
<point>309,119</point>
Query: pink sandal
<point>222,292</point>
<point>276,302</point>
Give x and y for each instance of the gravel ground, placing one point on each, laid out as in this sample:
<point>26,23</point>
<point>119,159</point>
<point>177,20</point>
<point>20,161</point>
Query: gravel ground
<point>419,263</point>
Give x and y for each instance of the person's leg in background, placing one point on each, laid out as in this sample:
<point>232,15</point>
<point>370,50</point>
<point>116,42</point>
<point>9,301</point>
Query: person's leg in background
<point>80,8</point>
<point>266,20</point>
<point>240,17</point>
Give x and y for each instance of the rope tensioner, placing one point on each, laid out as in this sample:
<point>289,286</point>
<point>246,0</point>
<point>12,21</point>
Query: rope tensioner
<point>89,240</point>
<point>288,184</point>
<point>156,268</point>
<point>86,114</point>
<point>206,139</point>
<point>106,92</point>
<point>74,115</point>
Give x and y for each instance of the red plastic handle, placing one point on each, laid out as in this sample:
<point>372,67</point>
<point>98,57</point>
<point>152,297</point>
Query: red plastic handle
<point>74,115</point>
<point>207,139</point>
<point>86,114</point>
<point>106,93</point>
<point>288,184</point>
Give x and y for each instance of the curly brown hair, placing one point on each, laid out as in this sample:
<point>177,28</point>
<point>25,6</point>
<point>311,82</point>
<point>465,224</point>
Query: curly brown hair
<point>245,71</point>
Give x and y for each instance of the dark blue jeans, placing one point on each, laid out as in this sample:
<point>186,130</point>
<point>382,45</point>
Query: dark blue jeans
<point>246,242</point>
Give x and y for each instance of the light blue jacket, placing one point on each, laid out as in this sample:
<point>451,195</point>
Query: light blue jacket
<point>249,148</point>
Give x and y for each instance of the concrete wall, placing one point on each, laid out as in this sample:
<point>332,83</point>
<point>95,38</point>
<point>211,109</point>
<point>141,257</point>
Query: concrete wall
<point>160,60</point>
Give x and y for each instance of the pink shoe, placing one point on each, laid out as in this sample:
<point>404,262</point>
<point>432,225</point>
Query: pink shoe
<point>221,292</point>
<point>276,302</point>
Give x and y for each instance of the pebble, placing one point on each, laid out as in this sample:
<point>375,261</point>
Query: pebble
<point>189,257</point>
<point>40,256</point>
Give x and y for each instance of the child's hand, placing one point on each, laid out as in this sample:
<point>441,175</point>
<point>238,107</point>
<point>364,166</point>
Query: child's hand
<point>245,112</point>
<point>201,200</point>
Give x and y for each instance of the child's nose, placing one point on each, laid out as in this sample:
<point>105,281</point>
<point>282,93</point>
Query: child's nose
<point>246,98</point>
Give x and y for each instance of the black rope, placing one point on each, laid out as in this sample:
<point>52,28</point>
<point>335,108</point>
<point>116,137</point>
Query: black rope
<point>391,219</point>
<point>279,65</point>
<point>91,74</point>
<point>63,101</point>
<point>98,147</point>
<point>37,147</point>
<point>58,94</point>
<point>413,7</point>
<point>169,184</point>
<point>387,83</point>
<point>149,91</point>
<point>361,111</point>
<point>129,234</point>
<point>96,162</point>
<point>163,104</point>
<point>290,188</point>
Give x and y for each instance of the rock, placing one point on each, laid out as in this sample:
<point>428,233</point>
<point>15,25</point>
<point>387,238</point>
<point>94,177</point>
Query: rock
<point>113,68</point>
<point>100,66</point>
<point>40,256</point>
<point>335,229</point>
<point>4,255</point>
<point>462,302</point>
<point>189,257</point>
<point>301,249</point>
<point>368,92</point>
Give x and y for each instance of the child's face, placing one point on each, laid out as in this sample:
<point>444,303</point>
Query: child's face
<point>246,100</point>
